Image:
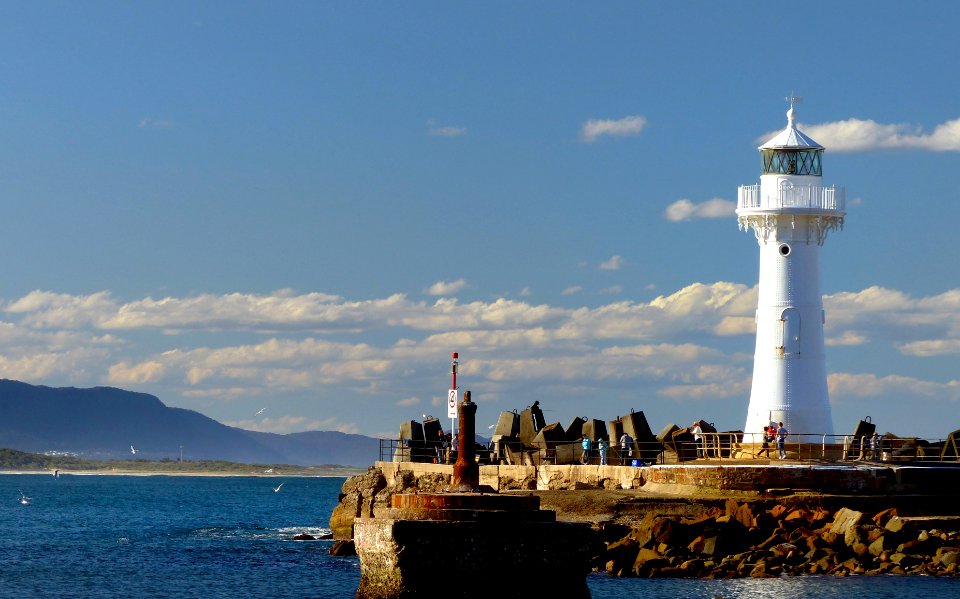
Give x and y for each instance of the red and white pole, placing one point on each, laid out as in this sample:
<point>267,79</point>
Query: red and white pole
<point>452,394</point>
<point>453,370</point>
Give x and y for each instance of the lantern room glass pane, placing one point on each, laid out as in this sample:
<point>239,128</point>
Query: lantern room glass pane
<point>792,162</point>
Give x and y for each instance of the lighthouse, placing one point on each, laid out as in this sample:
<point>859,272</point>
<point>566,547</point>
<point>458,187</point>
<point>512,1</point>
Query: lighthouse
<point>790,211</point>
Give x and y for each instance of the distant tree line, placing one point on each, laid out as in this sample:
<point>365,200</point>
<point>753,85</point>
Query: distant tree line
<point>11,459</point>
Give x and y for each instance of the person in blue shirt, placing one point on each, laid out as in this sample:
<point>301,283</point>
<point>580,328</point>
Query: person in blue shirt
<point>585,457</point>
<point>782,440</point>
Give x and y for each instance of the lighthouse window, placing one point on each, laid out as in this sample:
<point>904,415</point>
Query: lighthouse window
<point>791,162</point>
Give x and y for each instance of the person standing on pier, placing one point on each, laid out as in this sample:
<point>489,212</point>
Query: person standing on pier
<point>782,440</point>
<point>696,430</point>
<point>602,446</point>
<point>626,448</point>
<point>768,436</point>
<point>585,443</point>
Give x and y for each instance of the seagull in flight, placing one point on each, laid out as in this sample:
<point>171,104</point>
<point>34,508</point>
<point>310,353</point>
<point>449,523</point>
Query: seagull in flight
<point>23,498</point>
<point>133,450</point>
<point>260,411</point>
<point>277,490</point>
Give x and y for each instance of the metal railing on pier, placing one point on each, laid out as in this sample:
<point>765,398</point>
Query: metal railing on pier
<point>722,447</point>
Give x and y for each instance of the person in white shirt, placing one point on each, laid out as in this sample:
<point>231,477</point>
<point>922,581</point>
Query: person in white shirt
<point>697,438</point>
<point>626,448</point>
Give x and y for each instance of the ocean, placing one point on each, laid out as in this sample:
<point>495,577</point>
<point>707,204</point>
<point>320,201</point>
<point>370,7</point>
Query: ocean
<point>175,536</point>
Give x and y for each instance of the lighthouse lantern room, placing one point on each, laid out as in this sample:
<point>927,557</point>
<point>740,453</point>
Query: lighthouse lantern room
<point>790,211</point>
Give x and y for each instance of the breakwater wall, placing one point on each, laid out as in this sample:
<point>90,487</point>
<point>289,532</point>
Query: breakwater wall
<point>708,479</point>
<point>709,520</point>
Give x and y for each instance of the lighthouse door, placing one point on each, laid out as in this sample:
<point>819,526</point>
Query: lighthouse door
<point>790,331</point>
<point>786,192</point>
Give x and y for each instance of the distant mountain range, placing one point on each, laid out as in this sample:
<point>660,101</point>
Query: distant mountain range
<point>104,422</point>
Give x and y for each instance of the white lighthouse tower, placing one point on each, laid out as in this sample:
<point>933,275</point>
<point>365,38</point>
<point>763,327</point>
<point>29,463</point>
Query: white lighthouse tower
<point>790,211</point>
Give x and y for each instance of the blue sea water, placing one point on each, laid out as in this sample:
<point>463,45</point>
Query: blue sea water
<point>165,536</point>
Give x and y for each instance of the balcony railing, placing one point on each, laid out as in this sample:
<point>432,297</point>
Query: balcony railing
<point>804,197</point>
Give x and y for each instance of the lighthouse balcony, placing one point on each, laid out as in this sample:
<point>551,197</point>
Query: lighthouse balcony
<point>812,198</point>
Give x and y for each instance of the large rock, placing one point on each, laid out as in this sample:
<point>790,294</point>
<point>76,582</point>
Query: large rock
<point>648,562</point>
<point>949,558</point>
<point>844,521</point>
<point>621,556</point>
<point>741,513</point>
<point>361,495</point>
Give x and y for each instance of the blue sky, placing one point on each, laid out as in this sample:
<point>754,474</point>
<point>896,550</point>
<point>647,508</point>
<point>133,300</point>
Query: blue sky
<point>306,206</point>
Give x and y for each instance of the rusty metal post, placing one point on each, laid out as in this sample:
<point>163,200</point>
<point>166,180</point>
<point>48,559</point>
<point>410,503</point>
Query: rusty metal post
<point>466,472</point>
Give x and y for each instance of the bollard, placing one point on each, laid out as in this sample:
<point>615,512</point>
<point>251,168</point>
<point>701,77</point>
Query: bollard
<point>466,472</point>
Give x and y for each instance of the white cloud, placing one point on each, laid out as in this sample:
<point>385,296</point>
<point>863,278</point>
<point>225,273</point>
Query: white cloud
<point>446,287</point>
<point>684,209</point>
<point>572,290</point>
<point>936,347</point>
<point>152,123</point>
<point>847,386</point>
<point>708,391</point>
<point>861,135</point>
<point>893,315</point>
<point>676,346</point>
<point>74,365</point>
<point>614,263</point>
<point>611,290</point>
<point>55,322</point>
<point>846,338</point>
<point>221,393</point>
<point>593,129</point>
<point>54,310</point>
<point>446,131</point>
<point>408,402</point>
<point>124,373</point>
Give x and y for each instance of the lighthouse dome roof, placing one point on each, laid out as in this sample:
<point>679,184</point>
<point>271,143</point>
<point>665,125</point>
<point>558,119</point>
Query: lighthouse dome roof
<point>791,137</point>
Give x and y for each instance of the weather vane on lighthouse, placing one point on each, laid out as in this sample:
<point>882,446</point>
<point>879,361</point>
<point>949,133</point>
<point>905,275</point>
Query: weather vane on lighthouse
<point>790,212</point>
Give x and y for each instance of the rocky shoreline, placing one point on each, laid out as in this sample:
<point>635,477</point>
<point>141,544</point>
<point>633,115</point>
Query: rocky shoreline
<point>651,535</point>
<point>783,540</point>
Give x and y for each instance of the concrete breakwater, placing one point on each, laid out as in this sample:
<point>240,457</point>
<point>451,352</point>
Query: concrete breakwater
<point>707,520</point>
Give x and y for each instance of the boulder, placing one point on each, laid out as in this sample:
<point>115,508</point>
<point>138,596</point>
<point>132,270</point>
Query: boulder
<point>741,513</point>
<point>778,510</point>
<point>647,562</point>
<point>643,531</point>
<point>763,570</point>
<point>693,566</point>
<point>671,532</point>
<point>783,549</point>
<point>905,561</point>
<point>948,559</point>
<point>343,548</point>
<point>883,543</point>
<point>854,536</point>
<point>845,520</point>
<point>819,517</point>
<point>883,517</point>
<point>797,516</point>
<point>861,550</point>
<point>895,524</point>
<point>361,495</point>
